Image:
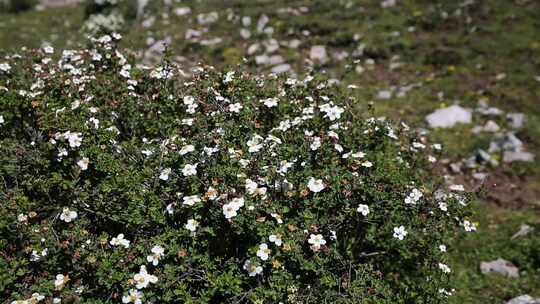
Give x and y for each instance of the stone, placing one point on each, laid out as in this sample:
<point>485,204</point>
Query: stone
<point>318,53</point>
<point>261,23</point>
<point>262,59</point>
<point>505,142</point>
<point>384,94</point>
<point>449,117</point>
<point>524,299</point>
<point>516,120</point>
<point>252,49</point>
<point>281,68</point>
<point>245,33</point>
<point>490,126</point>
<point>181,11</point>
<point>524,229</point>
<point>479,176</point>
<point>294,43</point>
<point>513,156</point>
<point>490,111</point>
<point>500,266</point>
<point>275,59</point>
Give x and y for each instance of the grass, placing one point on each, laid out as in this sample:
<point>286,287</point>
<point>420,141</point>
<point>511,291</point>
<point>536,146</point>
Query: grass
<point>451,56</point>
<point>493,240</point>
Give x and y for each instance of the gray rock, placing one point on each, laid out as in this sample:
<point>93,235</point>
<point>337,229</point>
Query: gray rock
<point>512,156</point>
<point>245,33</point>
<point>455,167</point>
<point>490,126</point>
<point>318,53</point>
<point>524,299</point>
<point>500,266</point>
<point>261,23</point>
<point>480,176</point>
<point>490,111</point>
<point>505,142</point>
<point>282,68</point>
<point>449,117</point>
<point>516,120</point>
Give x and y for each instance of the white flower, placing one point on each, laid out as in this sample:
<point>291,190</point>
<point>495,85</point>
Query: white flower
<point>230,209</point>
<point>143,278</point>
<point>444,268</point>
<point>442,248</point>
<point>251,186</point>
<point>469,227</point>
<point>413,197</point>
<point>270,102</point>
<point>334,113</point>
<point>367,164</point>
<point>254,189</point>
<point>120,240</point>
<point>60,281</point>
<point>157,254</point>
<point>189,170</point>
<point>235,107</point>
<point>316,241</point>
<point>83,163</point>
<point>315,185</point>
<point>191,200</point>
<point>164,175</point>
<point>74,138</point>
<point>254,144</point>
<point>276,239</point>
<point>48,49</point>
<point>2,119</point>
<point>358,155</point>
<point>189,100</point>
<point>187,121</point>
<point>229,77</point>
<point>400,232</point>
<point>134,296</point>
<point>363,209</point>
<point>192,225</point>
<point>316,144</point>
<point>5,67</point>
<point>457,188</point>
<point>68,215</point>
<point>252,268</point>
<point>263,252</point>
<point>22,218</point>
<point>186,149</point>
<point>443,206</point>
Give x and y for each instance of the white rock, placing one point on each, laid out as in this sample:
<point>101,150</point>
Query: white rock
<point>282,68</point>
<point>524,299</point>
<point>516,120</point>
<point>500,266</point>
<point>245,34</point>
<point>318,53</point>
<point>449,117</point>
<point>512,156</point>
<point>181,11</point>
<point>490,126</point>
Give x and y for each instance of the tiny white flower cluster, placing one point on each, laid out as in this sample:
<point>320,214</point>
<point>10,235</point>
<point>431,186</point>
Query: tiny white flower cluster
<point>413,197</point>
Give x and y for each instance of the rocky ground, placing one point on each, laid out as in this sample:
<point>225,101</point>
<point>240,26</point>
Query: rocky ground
<point>465,73</point>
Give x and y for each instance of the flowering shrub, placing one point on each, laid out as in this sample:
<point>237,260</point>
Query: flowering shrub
<point>125,184</point>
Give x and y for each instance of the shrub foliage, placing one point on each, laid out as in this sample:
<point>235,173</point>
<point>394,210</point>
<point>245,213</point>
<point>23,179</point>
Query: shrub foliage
<point>124,183</point>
